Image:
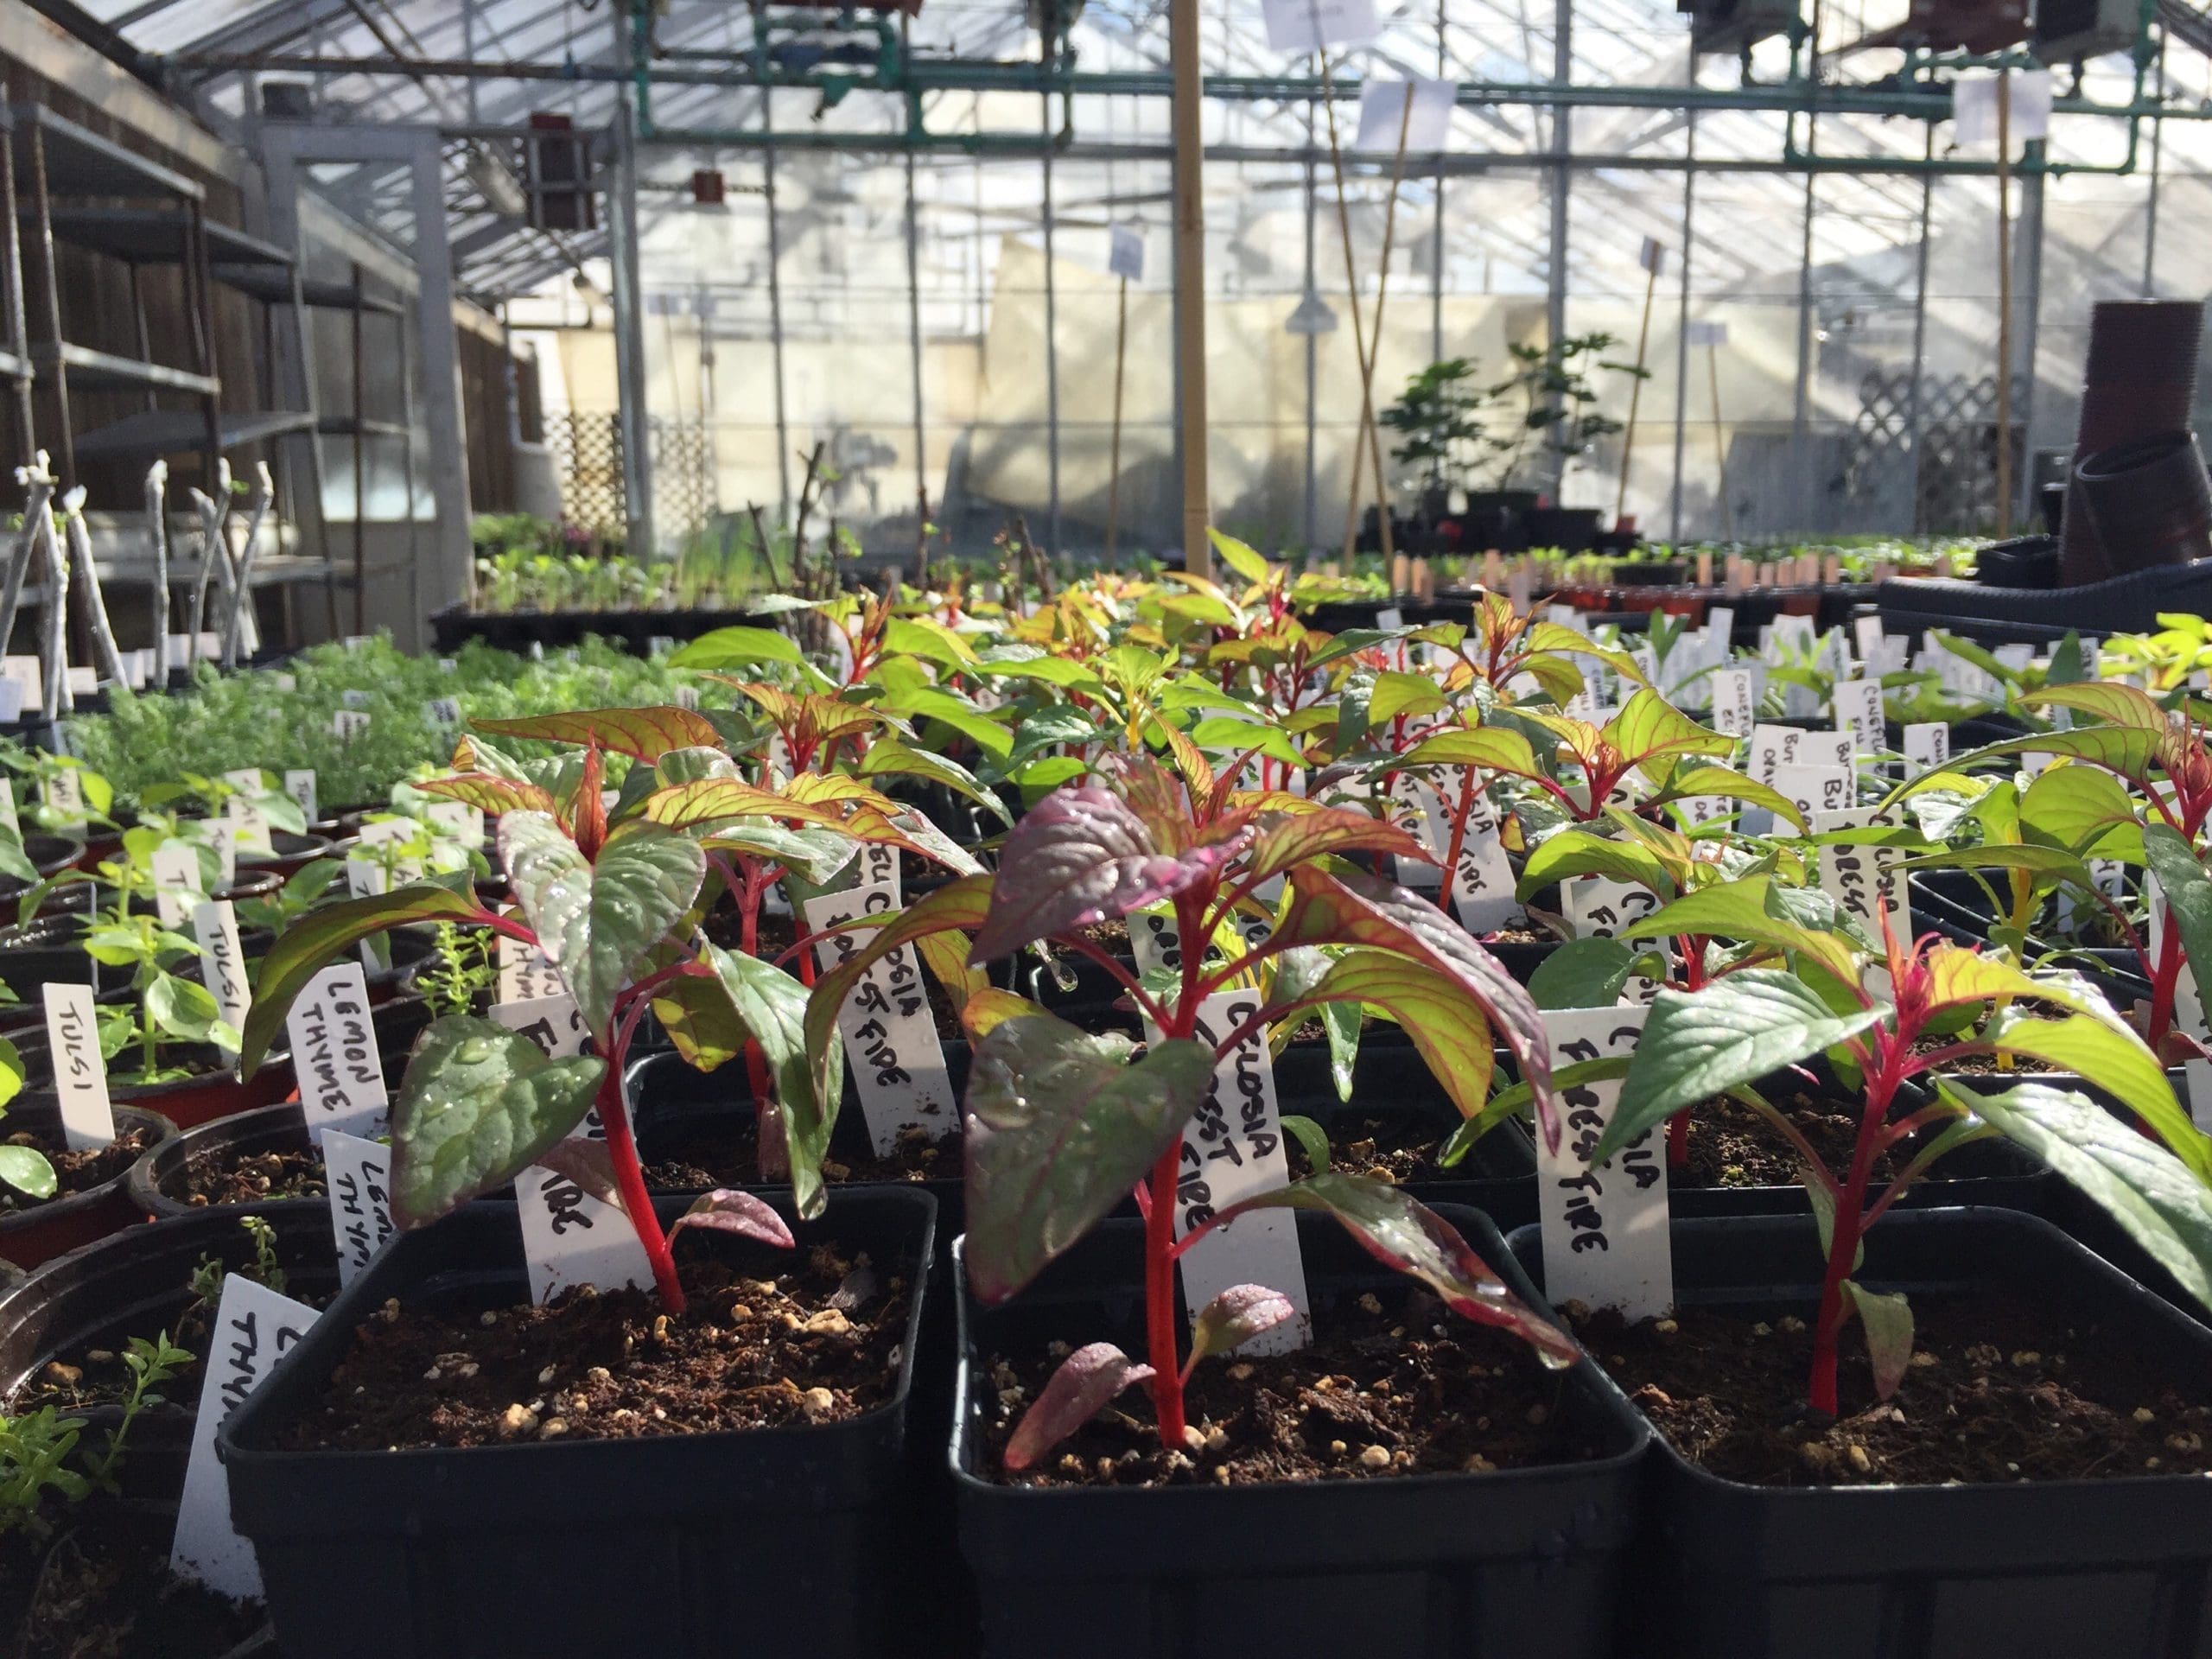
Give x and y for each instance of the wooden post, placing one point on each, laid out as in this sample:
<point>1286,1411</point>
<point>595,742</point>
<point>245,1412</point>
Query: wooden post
<point>1189,280</point>
<point>1352,295</point>
<point>2004,304</point>
<point>1367,443</point>
<point>1636,389</point>
<point>1114,460</point>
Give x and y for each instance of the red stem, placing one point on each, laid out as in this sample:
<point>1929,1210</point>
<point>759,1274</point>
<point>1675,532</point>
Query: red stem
<point>1160,1298</point>
<point>631,1178</point>
<point>1678,1126</point>
<point>1850,1220</point>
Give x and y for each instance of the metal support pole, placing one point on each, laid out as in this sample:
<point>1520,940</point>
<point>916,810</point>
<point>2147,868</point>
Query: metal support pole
<point>1562,141</point>
<point>776,325</point>
<point>2004,305</point>
<point>1313,357</point>
<point>2027,304</point>
<point>1682,333</point>
<point>1801,416</point>
<point>1191,282</point>
<point>1436,228</point>
<point>914,340</point>
<point>630,340</point>
<point>1051,366</point>
<point>1913,401</point>
<point>2151,206</point>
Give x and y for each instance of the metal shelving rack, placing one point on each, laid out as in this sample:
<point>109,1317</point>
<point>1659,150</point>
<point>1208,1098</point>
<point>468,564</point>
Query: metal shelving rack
<point>361,428</point>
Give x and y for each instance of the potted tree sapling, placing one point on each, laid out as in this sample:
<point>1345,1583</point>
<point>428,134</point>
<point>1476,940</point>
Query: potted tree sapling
<point>529,1406</point>
<point>2021,1429</point>
<point>1061,1126</point>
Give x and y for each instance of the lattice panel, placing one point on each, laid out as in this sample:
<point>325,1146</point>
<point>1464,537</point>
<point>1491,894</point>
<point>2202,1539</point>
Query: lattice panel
<point>685,498</point>
<point>1955,474</point>
<point>588,450</point>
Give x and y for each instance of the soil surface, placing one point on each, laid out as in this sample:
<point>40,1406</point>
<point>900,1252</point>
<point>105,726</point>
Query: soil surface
<point>225,1178</point>
<point>99,1590</point>
<point>1984,1065</point>
<point>74,1172</point>
<point>769,1339</point>
<point>96,1376</point>
<point>1395,1385</point>
<point>1394,1149</point>
<point>1731,1144</point>
<point>728,1154</point>
<point>1998,1390</point>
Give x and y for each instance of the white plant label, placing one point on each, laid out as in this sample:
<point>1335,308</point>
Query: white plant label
<point>1420,108</point>
<point>1233,1150</point>
<point>358,1173</point>
<point>335,1054</point>
<point>891,1041</point>
<point>11,699</point>
<point>443,712</point>
<point>1864,879</point>
<point>1309,25</point>
<point>28,678</point>
<point>249,827</point>
<point>300,786</point>
<point>1125,252</point>
<point>1815,789</point>
<point>569,1236</point>
<point>526,974</point>
<point>1424,820</point>
<point>1599,907</point>
<point>64,790</point>
<point>223,836</point>
<point>255,1327</point>
<point>379,832</point>
<point>2198,1082</point>
<point>178,883</point>
<point>222,961</point>
<point>458,821</point>
<point>1481,881</point>
<point>1734,709</point>
<point>1605,1226</point>
<point>9,816</point>
<point>72,1036</point>
<point>1927,747</point>
<point>348,724</point>
<point>1859,711</point>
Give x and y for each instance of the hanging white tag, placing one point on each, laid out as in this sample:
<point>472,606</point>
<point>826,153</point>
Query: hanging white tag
<point>1605,1227</point>
<point>300,786</point>
<point>178,883</point>
<point>1233,1150</point>
<point>72,1036</point>
<point>1422,106</point>
<point>891,1041</point>
<point>222,961</point>
<point>1309,25</point>
<point>1927,747</point>
<point>1858,714</point>
<point>1481,881</point>
<point>335,1054</point>
<point>357,1173</point>
<point>1973,108</point>
<point>254,1328</point>
<point>1125,252</point>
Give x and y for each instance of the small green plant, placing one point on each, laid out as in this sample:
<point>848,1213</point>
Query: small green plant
<point>35,1449</point>
<point>461,966</point>
<point>207,1282</point>
<point>1438,418</point>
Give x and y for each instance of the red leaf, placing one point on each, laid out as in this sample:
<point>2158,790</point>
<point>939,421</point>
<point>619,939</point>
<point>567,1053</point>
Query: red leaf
<point>1087,1379</point>
<point>727,1209</point>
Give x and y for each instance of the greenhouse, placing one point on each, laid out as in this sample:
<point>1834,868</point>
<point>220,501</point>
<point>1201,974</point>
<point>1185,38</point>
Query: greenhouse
<point>1105,828</point>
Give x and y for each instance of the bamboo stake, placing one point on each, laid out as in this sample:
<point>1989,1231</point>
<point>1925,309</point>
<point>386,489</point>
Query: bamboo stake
<point>2004,304</point>
<point>213,546</point>
<point>1370,434</point>
<point>109,659</point>
<point>58,697</point>
<point>1719,444</point>
<point>1352,286</point>
<point>1635,390</point>
<point>1114,460</point>
<point>157,484</point>
<point>40,481</point>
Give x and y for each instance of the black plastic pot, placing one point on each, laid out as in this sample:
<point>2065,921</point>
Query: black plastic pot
<point>30,1237</point>
<point>1955,905</point>
<point>1497,1566</point>
<point>2149,502</point>
<point>156,1182</point>
<point>288,852</point>
<point>774,1540</point>
<point>49,855</point>
<point>211,1092</point>
<point>2118,1569</point>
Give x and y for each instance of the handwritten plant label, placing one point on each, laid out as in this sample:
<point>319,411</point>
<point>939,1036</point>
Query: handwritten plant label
<point>1424,820</point>
<point>64,790</point>
<point>526,974</point>
<point>1481,881</point>
<point>80,1072</point>
<point>458,821</point>
<point>1605,1226</point>
<point>178,883</point>
<point>1233,1150</point>
<point>2189,1006</point>
<point>348,724</point>
<point>569,1236</point>
<point>254,1328</point>
<point>1859,711</point>
<point>2197,1075</point>
<point>252,826</point>
<point>8,815</point>
<point>1927,747</point>
<point>891,1041</point>
<point>222,835</point>
<point>28,676</point>
<point>359,1175</point>
<point>335,1054</point>
<point>443,712</point>
<point>1775,747</point>
<point>222,962</point>
<point>300,786</point>
<point>1599,907</point>
<point>1864,879</point>
<point>1734,710</point>
<point>1815,789</point>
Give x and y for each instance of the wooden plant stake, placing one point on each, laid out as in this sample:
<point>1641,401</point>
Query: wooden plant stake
<point>1114,457</point>
<point>1654,257</point>
<point>1719,444</point>
<point>157,527</point>
<point>1358,326</point>
<point>2004,304</point>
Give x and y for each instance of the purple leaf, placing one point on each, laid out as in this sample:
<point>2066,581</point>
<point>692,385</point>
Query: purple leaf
<point>589,1164</point>
<point>1087,1379</point>
<point>1235,1317</point>
<point>1081,856</point>
<point>727,1209</point>
<point>1403,1233</point>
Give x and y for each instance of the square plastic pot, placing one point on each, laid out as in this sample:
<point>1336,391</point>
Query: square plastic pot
<point>1498,1566</point>
<point>2068,1569</point>
<point>767,1540</point>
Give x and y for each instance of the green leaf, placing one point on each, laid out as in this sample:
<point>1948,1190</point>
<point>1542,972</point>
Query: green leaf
<point>598,922</point>
<point>1491,747</point>
<point>1572,853</point>
<point>1060,1128</point>
<point>1287,839</point>
<point>1887,1317</point>
<point>1730,784</point>
<point>1447,1025</point>
<point>2084,809</point>
<point>1732,1031</point>
<point>927,638</point>
<point>478,1104</point>
<point>735,647</point>
<point>1649,727</point>
<point>1238,557</point>
<point>1582,974</point>
<point>2188,892</point>
<point>316,939</point>
<point>182,1009</point>
<point>961,904</point>
<point>2103,1049</point>
<point>1403,1233</point>
<point>1396,694</point>
<point>1744,910</point>
<point>816,855</point>
<point>1311,1137</point>
<point>2110,700</point>
<point>641,734</point>
<point>26,1169</point>
<point>698,766</point>
<point>2156,1199</point>
<point>888,755</point>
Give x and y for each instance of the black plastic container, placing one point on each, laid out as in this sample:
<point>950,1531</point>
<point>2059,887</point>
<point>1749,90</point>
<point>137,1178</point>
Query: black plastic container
<point>37,1235</point>
<point>1497,1566</point>
<point>2118,1569</point>
<point>1953,904</point>
<point>155,1181</point>
<point>770,1541</point>
<point>2149,501</point>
